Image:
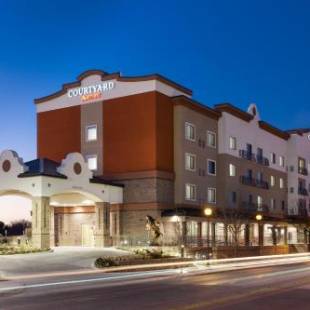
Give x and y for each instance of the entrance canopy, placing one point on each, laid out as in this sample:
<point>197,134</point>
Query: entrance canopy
<point>46,178</point>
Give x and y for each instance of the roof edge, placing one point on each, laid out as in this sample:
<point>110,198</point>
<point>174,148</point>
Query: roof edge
<point>117,75</point>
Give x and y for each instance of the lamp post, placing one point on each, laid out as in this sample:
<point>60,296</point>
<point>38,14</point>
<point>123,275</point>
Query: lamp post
<point>259,218</point>
<point>208,213</point>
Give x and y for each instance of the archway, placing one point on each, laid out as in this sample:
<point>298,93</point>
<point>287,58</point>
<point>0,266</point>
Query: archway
<point>75,219</point>
<point>15,216</point>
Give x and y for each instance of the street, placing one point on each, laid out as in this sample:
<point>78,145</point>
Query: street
<point>283,286</point>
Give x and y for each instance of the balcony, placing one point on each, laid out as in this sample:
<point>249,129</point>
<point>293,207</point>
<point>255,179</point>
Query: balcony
<point>262,160</point>
<point>246,155</point>
<point>254,182</point>
<point>302,191</point>
<point>303,171</point>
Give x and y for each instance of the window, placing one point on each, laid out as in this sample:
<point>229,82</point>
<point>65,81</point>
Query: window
<point>211,167</point>
<point>233,197</point>
<point>259,202</point>
<point>260,153</point>
<point>281,161</point>
<point>292,190</point>
<point>190,191</point>
<point>232,170</point>
<point>272,181</point>
<point>259,176</point>
<point>281,183</point>
<point>91,133</point>
<point>92,162</point>
<point>190,162</point>
<point>211,195</point>
<point>211,139</point>
<point>190,132</point>
<point>272,204</point>
<point>233,143</point>
<point>273,158</point>
<point>283,205</point>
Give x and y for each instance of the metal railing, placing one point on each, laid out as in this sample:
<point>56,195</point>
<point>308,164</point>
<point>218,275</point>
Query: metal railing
<point>254,182</point>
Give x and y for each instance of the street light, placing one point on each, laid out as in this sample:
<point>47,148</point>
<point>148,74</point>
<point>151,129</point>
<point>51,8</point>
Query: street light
<point>259,218</point>
<point>208,213</point>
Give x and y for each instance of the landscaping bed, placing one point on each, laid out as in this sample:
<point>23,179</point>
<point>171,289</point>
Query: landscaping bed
<point>139,257</point>
<point>21,249</point>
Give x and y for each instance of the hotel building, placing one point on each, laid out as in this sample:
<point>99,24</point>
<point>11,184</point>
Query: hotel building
<point>113,150</point>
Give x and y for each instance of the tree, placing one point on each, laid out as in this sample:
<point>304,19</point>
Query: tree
<point>2,228</point>
<point>234,221</point>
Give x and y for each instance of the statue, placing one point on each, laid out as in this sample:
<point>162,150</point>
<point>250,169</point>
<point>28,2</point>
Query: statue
<point>153,227</point>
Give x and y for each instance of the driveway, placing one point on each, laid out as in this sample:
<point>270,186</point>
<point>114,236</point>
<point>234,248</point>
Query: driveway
<point>61,259</point>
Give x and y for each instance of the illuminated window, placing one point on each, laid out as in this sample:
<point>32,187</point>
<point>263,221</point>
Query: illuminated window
<point>259,202</point>
<point>272,181</point>
<point>281,181</point>
<point>211,195</point>
<point>91,133</point>
<point>92,162</point>
<point>190,191</point>
<point>281,161</point>
<point>211,139</point>
<point>232,170</point>
<point>233,143</point>
<point>190,132</point>
<point>190,162</point>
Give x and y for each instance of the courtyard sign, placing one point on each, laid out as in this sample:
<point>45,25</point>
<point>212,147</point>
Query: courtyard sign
<point>91,92</point>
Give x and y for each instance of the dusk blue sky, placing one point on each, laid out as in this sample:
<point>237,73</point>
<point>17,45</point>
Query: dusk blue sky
<point>225,51</point>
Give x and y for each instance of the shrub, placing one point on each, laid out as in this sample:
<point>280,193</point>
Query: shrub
<point>149,254</point>
<point>102,262</point>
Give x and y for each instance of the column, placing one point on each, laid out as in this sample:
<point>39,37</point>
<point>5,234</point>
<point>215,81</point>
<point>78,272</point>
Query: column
<point>213,234</point>
<point>226,235</point>
<point>52,226</point>
<point>184,233</point>
<point>102,227</point>
<point>247,235</point>
<point>199,234</point>
<point>285,235</point>
<point>41,224</point>
<point>260,234</point>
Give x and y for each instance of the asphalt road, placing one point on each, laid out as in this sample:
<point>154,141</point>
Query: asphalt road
<point>276,287</point>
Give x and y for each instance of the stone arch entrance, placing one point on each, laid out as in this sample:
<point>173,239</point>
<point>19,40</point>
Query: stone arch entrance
<point>15,217</point>
<point>61,188</point>
<point>79,219</point>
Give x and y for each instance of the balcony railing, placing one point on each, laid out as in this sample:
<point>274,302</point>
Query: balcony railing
<point>254,182</point>
<point>246,155</point>
<point>262,160</point>
<point>302,191</point>
<point>303,171</point>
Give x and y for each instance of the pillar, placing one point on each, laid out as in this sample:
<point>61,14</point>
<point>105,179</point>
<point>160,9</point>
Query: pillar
<point>199,234</point>
<point>52,226</point>
<point>213,234</point>
<point>260,234</point>
<point>102,227</point>
<point>41,222</point>
<point>247,235</point>
<point>285,235</point>
<point>226,235</point>
<point>184,233</point>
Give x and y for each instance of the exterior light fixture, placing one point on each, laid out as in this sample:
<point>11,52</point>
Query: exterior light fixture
<point>208,211</point>
<point>258,217</point>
